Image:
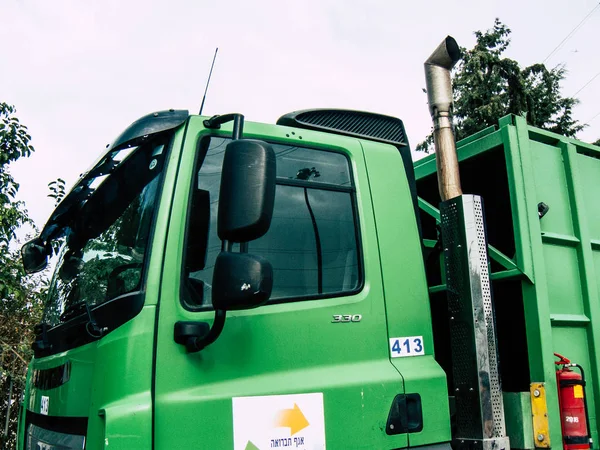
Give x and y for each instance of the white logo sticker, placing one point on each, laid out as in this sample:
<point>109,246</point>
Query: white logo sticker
<point>153,164</point>
<point>407,346</point>
<point>273,421</point>
<point>44,405</point>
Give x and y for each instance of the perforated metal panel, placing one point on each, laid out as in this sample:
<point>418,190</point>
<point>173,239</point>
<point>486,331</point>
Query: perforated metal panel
<point>477,389</point>
<point>486,294</point>
<point>464,365</point>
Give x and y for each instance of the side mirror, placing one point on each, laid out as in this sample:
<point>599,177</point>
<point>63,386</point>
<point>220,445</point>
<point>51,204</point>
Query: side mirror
<point>246,201</point>
<point>241,281</point>
<point>34,255</point>
<point>247,192</point>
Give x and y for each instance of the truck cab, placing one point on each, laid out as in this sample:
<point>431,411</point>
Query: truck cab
<point>340,355</point>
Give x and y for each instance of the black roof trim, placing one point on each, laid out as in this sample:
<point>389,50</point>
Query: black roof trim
<point>135,134</point>
<point>151,124</point>
<point>359,124</point>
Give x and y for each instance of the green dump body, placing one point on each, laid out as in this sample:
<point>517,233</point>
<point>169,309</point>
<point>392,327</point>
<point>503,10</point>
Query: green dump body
<point>545,270</point>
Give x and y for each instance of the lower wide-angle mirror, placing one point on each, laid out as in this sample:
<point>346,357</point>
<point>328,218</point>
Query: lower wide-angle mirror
<point>241,281</point>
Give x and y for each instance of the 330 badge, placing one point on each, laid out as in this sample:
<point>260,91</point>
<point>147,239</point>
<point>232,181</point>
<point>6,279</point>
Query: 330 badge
<point>346,318</point>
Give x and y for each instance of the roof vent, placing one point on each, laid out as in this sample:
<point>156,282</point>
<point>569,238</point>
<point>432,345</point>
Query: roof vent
<point>359,124</point>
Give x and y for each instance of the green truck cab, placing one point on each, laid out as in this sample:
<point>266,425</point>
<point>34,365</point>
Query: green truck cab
<point>351,349</point>
<point>310,368</point>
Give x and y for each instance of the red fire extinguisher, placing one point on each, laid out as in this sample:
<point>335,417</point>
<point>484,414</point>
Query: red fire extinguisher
<point>573,405</point>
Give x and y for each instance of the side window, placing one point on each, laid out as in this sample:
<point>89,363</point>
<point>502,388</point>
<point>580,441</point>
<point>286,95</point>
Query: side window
<point>313,240</point>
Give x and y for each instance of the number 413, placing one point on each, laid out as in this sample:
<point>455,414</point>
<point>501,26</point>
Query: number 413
<point>407,346</point>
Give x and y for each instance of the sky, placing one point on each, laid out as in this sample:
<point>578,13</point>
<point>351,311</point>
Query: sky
<point>79,72</point>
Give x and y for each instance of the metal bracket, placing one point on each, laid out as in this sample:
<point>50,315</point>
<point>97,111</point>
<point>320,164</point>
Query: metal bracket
<point>539,413</point>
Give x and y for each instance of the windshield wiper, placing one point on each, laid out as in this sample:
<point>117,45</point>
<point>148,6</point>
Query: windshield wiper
<point>91,326</point>
<point>72,311</point>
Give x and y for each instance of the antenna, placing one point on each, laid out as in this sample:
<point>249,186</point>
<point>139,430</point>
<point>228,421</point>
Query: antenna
<point>208,81</point>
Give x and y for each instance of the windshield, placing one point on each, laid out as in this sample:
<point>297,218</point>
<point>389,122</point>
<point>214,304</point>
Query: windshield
<point>102,248</point>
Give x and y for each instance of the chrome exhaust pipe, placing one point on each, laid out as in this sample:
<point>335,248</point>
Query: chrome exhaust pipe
<point>439,97</point>
<point>480,421</point>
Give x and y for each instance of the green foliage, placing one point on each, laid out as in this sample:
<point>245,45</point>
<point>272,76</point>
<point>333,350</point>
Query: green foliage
<point>596,143</point>
<point>20,309</point>
<point>57,190</point>
<point>14,144</point>
<point>20,295</point>
<point>488,86</point>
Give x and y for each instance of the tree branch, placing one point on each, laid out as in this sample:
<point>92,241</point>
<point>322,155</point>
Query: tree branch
<point>14,351</point>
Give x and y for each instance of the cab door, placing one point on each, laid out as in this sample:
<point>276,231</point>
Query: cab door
<point>311,368</point>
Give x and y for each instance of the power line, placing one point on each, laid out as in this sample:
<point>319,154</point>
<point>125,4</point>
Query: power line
<point>590,121</point>
<point>573,31</point>
<point>586,84</point>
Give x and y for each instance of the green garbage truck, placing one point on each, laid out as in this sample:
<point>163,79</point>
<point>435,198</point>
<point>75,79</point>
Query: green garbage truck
<point>222,284</point>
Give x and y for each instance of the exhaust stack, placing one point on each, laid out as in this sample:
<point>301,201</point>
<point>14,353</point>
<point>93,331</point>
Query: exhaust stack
<point>480,420</point>
<point>439,97</point>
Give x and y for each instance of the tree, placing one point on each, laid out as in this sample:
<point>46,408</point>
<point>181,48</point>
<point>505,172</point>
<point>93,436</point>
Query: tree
<point>596,143</point>
<point>488,86</point>
<point>20,295</point>
<point>14,144</point>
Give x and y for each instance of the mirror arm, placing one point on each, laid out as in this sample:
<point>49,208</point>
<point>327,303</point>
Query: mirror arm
<point>238,127</point>
<point>215,122</point>
<point>194,335</point>
<point>227,246</point>
<point>198,343</point>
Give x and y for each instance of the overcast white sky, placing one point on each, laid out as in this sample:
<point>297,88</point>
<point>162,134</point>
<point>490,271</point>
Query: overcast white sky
<point>79,72</point>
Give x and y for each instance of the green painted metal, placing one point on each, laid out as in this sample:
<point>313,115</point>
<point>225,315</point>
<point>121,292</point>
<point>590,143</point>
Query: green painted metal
<point>566,319</point>
<point>502,275</point>
<point>429,243</point>
<point>517,410</point>
<point>530,250</point>
<point>476,136</point>
<point>429,209</point>
<point>426,166</point>
<point>559,253</point>
<point>580,179</point>
<point>402,282</point>
<point>499,257</point>
<point>560,239</point>
<point>293,347</point>
<point>494,253</point>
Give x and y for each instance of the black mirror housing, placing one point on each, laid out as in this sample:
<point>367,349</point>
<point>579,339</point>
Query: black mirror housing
<point>34,255</point>
<point>241,281</point>
<point>247,194</point>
